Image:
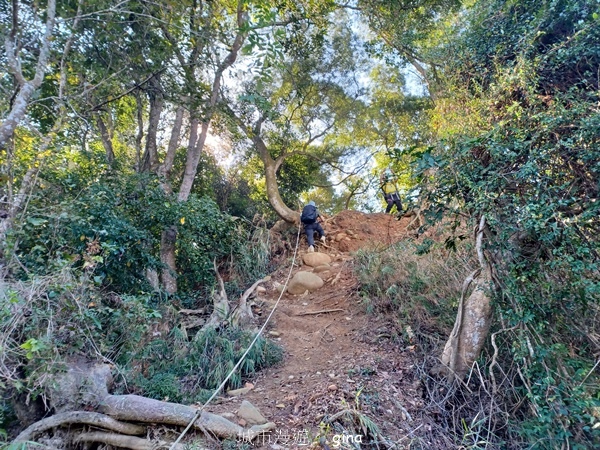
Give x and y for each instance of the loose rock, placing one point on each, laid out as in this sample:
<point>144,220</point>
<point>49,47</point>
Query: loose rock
<point>250,414</point>
<point>316,259</point>
<point>340,236</point>
<point>322,268</point>
<point>238,392</point>
<point>304,281</point>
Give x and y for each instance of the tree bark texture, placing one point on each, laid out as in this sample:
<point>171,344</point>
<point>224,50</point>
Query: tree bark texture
<point>86,386</point>
<point>130,442</point>
<point>140,126</point>
<point>191,163</point>
<point>156,99</point>
<point>273,194</point>
<point>26,87</point>
<point>167,166</point>
<point>106,140</point>
<point>221,308</point>
<point>167,257</point>
<point>473,319</point>
<point>82,418</point>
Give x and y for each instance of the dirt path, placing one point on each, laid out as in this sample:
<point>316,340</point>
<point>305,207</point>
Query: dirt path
<point>339,360</point>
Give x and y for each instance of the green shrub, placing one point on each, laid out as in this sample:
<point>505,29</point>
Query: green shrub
<point>46,322</point>
<point>195,368</point>
<point>112,230</point>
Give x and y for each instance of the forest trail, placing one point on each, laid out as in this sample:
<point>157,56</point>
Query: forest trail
<point>340,359</point>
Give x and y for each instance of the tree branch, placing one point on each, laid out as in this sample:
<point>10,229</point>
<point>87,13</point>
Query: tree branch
<point>27,88</point>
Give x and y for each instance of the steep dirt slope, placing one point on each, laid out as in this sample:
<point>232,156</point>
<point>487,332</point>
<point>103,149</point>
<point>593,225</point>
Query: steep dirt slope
<point>338,359</point>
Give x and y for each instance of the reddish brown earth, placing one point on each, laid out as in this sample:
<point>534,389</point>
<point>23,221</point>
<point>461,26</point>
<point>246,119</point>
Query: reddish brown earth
<point>344,359</point>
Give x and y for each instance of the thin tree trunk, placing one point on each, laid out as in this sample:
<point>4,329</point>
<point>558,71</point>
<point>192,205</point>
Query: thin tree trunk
<point>26,87</point>
<point>167,257</point>
<point>195,148</point>
<point>193,157</point>
<point>106,140</point>
<point>167,166</point>
<point>140,134</point>
<point>17,203</point>
<point>27,183</point>
<point>156,98</point>
<point>191,165</point>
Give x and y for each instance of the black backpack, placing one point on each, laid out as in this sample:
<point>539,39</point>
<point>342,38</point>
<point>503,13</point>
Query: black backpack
<point>309,214</point>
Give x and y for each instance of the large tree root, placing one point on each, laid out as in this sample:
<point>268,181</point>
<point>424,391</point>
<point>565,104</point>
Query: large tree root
<point>87,385</point>
<point>473,319</point>
<point>79,417</point>
<point>141,409</point>
<point>131,442</point>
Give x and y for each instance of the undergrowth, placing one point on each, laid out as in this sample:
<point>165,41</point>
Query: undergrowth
<point>182,371</point>
<point>420,291</point>
<point>535,395</point>
<point>49,320</point>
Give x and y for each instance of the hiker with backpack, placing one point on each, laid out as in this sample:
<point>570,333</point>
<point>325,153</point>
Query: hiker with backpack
<point>310,219</point>
<point>387,183</point>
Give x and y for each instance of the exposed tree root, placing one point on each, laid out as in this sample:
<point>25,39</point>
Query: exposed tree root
<point>141,409</point>
<point>78,417</point>
<point>130,442</point>
<point>473,319</point>
<point>323,311</point>
<point>84,383</point>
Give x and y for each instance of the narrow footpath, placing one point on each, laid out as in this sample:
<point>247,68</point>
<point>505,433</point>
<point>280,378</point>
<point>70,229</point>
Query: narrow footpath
<point>342,367</point>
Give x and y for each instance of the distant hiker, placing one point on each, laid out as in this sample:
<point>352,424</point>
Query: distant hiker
<point>310,219</point>
<point>387,182</point>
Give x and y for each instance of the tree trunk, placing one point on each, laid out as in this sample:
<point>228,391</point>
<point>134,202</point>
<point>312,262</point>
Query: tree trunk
<point>191,164</point>
<point>9,125</point>
<point>473,319</point>
<point>106,140</point>
<point>167,165</point>
<point>155,96</point>
<point>140,134</point>
<point>273,195</point>
<point>19,202</point>
<point>195,148</point>
<point>26,88</point>
<point>167,257</point>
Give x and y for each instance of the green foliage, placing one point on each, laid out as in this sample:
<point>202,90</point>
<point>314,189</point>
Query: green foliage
<point>519,129</point>
<point>199,366</point>
<point>112,229</point>
<point>54,319</point>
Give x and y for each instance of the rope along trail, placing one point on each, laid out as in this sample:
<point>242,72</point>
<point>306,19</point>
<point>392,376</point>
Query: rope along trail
<point>224,382</point>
